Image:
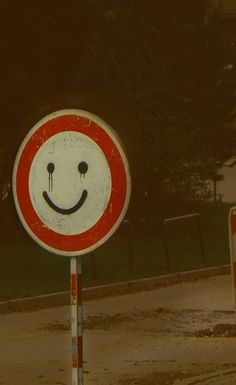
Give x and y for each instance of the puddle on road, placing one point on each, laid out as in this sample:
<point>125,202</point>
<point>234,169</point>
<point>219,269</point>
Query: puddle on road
<point>186,322</point>
<point>219,330</point>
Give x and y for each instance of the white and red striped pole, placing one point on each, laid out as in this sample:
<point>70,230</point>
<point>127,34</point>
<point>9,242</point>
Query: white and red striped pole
<point>232,247</point>
<point>77,320</point>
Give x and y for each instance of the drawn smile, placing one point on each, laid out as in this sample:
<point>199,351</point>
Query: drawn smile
<point>82,168</point>
<point>66,211</point>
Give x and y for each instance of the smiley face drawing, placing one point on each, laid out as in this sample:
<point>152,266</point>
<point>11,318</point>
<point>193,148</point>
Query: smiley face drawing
<point>71,182</point>
<point>83,167</point>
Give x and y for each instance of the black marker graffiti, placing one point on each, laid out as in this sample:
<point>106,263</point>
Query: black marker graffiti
<point>66,211</point>
<point>83,168</point>
<point>50,169</point>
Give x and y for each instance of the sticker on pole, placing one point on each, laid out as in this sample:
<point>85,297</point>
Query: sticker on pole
<point>71,182</point>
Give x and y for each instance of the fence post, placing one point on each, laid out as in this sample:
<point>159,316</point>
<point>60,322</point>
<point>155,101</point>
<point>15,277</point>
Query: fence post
<point>165,246</point>
<point>201,241</point>
<point>94,267</point>
<point>128,227</point>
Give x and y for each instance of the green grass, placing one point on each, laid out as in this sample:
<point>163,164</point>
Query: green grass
<point>27,270</point>
<point>184,242</point>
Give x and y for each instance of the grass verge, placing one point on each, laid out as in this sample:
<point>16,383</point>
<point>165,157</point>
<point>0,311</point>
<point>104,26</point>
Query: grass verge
<point>28,270</point>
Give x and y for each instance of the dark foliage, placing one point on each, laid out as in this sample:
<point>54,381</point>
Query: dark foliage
<point>160,72</point>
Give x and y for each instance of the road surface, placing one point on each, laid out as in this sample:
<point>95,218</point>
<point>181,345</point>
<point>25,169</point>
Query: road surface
<point>183,334</point>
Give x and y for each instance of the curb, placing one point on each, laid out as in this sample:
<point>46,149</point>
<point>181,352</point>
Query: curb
<point>121,288</point>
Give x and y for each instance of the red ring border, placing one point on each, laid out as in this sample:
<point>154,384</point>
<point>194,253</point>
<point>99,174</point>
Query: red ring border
<point>50,238</point>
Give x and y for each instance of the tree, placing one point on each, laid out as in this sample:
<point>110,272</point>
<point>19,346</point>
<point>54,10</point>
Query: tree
<point>172,76</point>
<point>159,72</point>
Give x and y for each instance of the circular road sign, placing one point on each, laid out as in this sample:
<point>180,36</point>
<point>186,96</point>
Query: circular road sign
<point>71,182</point>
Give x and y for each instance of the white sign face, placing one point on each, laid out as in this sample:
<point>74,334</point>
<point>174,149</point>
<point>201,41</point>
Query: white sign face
<point>71,182</point>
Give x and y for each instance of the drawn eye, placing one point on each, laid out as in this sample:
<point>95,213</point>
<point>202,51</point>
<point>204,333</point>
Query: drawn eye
<point>50,168</point>
<point>83,168</point>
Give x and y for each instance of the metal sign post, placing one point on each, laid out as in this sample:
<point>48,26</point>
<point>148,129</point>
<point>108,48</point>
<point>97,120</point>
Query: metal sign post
<point>71,186</point>
<point>76,320</point>
<point>232,247</point>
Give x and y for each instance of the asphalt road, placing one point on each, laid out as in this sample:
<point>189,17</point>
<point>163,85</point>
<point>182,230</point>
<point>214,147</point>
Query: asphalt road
<point>183,334</point>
